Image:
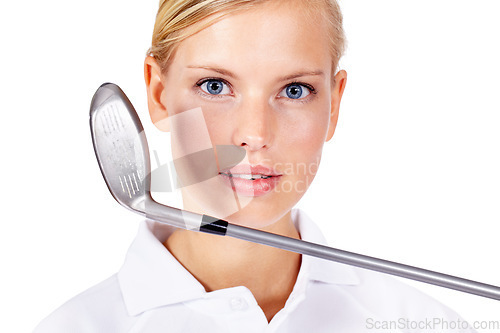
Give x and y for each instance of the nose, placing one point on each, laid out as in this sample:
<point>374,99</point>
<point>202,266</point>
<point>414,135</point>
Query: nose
<point>254,125</point>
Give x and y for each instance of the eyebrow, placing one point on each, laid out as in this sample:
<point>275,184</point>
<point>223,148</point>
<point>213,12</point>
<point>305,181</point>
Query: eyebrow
<point>283,78</point>
<point>300,74</point>
<point>217,70</point>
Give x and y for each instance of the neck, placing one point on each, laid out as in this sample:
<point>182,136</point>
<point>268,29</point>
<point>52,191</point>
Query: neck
<point>223,262</point>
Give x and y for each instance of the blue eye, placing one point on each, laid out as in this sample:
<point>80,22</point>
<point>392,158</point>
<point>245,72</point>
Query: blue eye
<point>215,87</point>
<point>295,91</point>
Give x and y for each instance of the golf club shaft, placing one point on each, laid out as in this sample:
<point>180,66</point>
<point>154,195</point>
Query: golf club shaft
<point>193,221</point>
<point>371,263</point>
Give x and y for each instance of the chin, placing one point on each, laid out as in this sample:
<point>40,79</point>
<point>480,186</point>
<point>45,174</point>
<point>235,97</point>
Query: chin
<point>260,215</point>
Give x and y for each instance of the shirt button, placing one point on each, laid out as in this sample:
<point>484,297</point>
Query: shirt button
<point>238,304</point>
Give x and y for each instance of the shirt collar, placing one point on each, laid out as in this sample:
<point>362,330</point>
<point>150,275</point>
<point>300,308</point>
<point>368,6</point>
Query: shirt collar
<point>151,277</point>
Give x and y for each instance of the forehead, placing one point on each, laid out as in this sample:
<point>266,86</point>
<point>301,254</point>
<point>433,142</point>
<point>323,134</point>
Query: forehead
<point>274,33</point>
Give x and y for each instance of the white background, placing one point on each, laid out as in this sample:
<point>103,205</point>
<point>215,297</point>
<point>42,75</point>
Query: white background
<point>411,174</point>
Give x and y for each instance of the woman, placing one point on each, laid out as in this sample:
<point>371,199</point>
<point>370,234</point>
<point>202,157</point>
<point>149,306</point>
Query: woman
<point>261,76</point>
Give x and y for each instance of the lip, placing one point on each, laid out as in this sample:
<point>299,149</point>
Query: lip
<point>251,187</point>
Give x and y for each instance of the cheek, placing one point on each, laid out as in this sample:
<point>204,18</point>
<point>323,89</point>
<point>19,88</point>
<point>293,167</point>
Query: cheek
<point>212,118</point>
<point>306,134</point>
<point>189,132</point>
<point>302,147</point>
<point>178,100</point>
<point>188,124</point>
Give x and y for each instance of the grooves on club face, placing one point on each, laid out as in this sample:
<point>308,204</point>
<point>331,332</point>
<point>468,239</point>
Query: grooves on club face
<point>120,146</point>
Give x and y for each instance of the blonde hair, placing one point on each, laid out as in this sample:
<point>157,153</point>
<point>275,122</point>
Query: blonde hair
<point>174,16</point>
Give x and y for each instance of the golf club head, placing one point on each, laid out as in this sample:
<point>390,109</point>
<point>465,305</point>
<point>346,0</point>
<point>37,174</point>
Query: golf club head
<point>121,147</point>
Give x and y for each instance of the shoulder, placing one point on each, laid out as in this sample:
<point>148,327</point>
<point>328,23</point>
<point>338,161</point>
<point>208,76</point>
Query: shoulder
<point>98,309</point>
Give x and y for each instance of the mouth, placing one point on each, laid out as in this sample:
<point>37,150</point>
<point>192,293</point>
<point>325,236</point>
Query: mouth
<point>252,181</point>
<point>245,176</point>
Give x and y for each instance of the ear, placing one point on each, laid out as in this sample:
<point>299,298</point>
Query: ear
<point>337,92</point>
<point>155,89</point>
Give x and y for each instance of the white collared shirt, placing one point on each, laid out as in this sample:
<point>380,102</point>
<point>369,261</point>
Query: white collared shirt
<point>153,293</point>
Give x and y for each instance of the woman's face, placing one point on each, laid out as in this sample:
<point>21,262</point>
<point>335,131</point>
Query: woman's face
<point>260,80</point>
